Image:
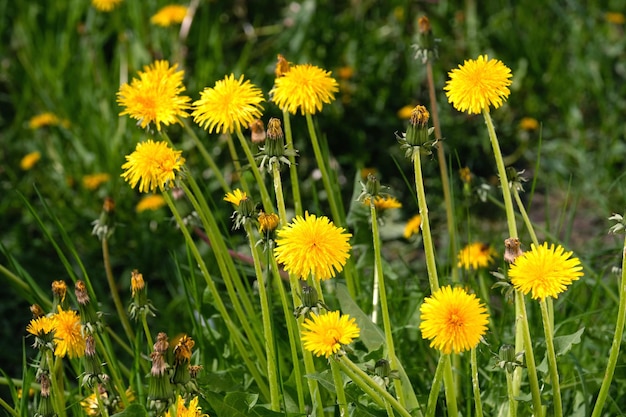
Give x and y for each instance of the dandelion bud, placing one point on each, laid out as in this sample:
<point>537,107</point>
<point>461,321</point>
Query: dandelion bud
<point>282,66</point>
<point>81,293</point>
<point>372,187</point>
<point>423,25</point>
<point>161,345</point>
<point>512,249</point>
<point>59,290</point>
<point>36,310</point>
<point>268,222</point>
<point>137,283</point>
<point>258,131</point>
<point>417,131</point>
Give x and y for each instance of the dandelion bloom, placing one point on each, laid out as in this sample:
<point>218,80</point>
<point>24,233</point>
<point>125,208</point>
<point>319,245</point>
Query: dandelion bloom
<point>169,15</point>
<point>312,245</point>
<point>93,181</point>
<point>383,203</point>
<point>43,119</point>
<point>268,222</point>
<point>68,336</point>
<point>478,84</point>
<point>232,104</point>
<point>453,320</point>
<point>152,165</point>
<point>528,123</point>
<point>155,96</point>
<point>326,333</point>
<point>193,410</point>
<point>105,5</point>
<point>545,271</point>
<point>615,17</point>
<point>236,197</point>
<point>305,87</point>
<point>476,255</point>
<point>30,160</point>
<point>150,202</point>
<point>41,326</point>
<point>412,226</point>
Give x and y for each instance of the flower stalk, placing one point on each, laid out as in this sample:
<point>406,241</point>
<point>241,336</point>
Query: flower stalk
<point>554,373</point>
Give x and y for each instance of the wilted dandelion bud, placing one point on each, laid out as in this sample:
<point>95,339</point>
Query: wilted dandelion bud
<point>258,131</point>
<point>282,66</point>
<point>161,345</point>
<point>81,293</point>
<point>37,311</point>
<point>512,249</point>
<point>59,290</point>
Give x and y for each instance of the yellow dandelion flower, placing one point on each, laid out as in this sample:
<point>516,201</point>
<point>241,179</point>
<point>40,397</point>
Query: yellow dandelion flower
<point>105,5</point>
<point>43,119</point>
<point>236,197</point>
<point>150,202</point>
<point>383,202</point>
<point>268,222</point>
<point>314,246</point>
<point>30,160</point>
<point>615,17</point>
<point>326,333</point>
<point>305,87</point>
<point>93,181</point>
<point>68,336</point>
<point>41,326</point>
<point>478,84</point>
<point>476,255</point>
<point>528,123</point>
<point>412,226</point>
<point>155,96</point>
<point>453,320</point>
<point>545,271</point>
<point>193,410</point>
<point>169,15</point>
<point>232,104</point>
<point>153,165</point>
<point>345,73</point>
<point>182,350</point>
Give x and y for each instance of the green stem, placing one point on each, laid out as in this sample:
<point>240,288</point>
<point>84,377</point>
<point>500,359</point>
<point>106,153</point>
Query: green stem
<point>265,197</point>
<point>522,210</point>
<point>450,387</point>
<point>615,346</point>
<point>272,374</point>
<point>429,249</point>
<point>475,385</point>
<point>511,394</point>
<point>341,395</point>
<point>378,265</point>
<point>8,408</point>
<point>368,385</point>
<point>293,168</point>
<point>215,170</point>
<point>146,330</point>
<point>529,355</point>
<point>235,157</point>
<point>278,191</point>
<point>219,304</point>
<point>56,379</point>
<point>554,373</point>
<point>435,387</point>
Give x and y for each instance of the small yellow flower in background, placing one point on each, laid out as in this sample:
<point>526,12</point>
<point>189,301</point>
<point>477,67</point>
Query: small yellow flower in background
<point>236,197</point>
<point>169,15</point>
<point>30,160</point>
<point>93,181</point>
<point>383,202</point>
<point>545,271</point>
<point>466,175</point>
<point>325,334</point>
<point>478,84</point>
<point>41,326</point>
<point>314,246</point>
<point>304,87</point>
<point>345,73</point>
<point>231,105</point>
<point>105,5</point>
<point>412,226</point>
<point>453,320</point>
<point>155,96</point>
<point>615,17</point>
<point>193,410</point>
<point>528,123</point>
<point>153,165</point>
<point>476,255</point>
<point>405,112</point>
<point>43,119</point>
<point>68,336</point>
<point>150,202</point>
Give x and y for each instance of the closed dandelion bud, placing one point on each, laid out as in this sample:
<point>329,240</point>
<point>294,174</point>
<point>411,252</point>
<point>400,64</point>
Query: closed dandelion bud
<point>36,310</point>
<point>161,345</point>
<point>417,132</point>
<point>59,290</point>
<point>372,187</point>
<point>88,315</point>
<point>309,296</point>
<point>105,224</point>
<point>194,370</point>
<point>81,293</point>
<point>275,145</point>
<point>45,408</point>
<point>268,222</point>
<point>512,249</point>
<point>382,368</point>
<point>258,131</point>
<point>507,357</point>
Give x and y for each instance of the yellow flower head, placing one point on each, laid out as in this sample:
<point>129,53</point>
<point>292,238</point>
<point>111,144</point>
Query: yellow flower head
<point>169,15</point>
<point>615,17</point>
<point>412,226</point>
<point>528,123</point>
<point>193,410</point>
<point>268,222</point>
<point>41,326</point>
<point>43,119</point>
<point>305,87</point>
<point>326,333</point>
<point>182,350</point>
<point>231,105</point>
<point>68,336</point>
<point>405,112</point>
<point>105,5</point>
<point>383,202</point>
<point>155,96</point>
<point>137,283</point>
<point>478,84</point>
<point>93,181</point>
<point>545,271</point>
<point>236,197</point>
<point>314,246</point>
<point>30,160</point>
<point>453,320</point>
<point>476,255</point>
<point>153,165</point>
<point>150,202</point>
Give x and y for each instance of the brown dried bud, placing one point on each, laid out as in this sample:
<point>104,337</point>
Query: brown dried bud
<point>282,66</point>
<point>423,25</point>
<point>59,288</point>
<point>80,290</point>
<point>258,131</point>
<point>512,249</point>
<point>161,345</point>
<point>37,311</point>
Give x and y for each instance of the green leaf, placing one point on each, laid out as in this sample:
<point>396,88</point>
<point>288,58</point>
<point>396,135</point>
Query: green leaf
<point>371,335</point>
<point>238,404</point>
<point>563,344</point>
<point>133,410</point>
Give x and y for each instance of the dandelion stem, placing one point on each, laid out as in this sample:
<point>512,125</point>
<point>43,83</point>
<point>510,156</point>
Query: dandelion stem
<point>615,346</point>
<point>435,387</point>
<point>554,373</point>
<point>265,197</point>
<point>450,387</point>
<point>341,395</point>
<point>146,330</point>
<point>522,210</point>
<point>8,408</point>
<point>207,157</point>
<point>378,265</point>
<point>278,191</point>
<point>293,168</point>
<point>475,384</point>
<point>236,164</point>
<point>511,394</point>
<point>528,354</point>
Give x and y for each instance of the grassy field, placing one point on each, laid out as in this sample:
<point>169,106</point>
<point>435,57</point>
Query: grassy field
<point>67,213</point>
